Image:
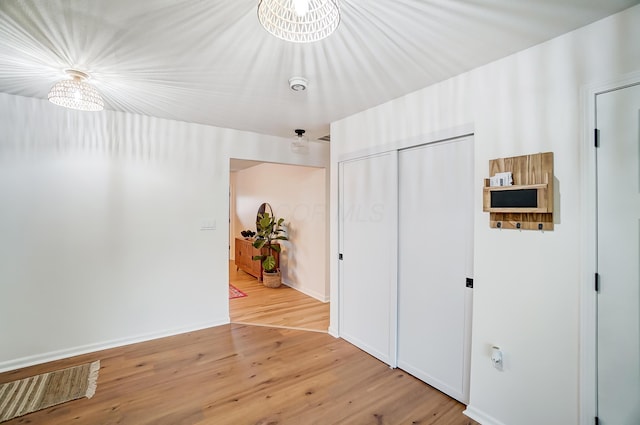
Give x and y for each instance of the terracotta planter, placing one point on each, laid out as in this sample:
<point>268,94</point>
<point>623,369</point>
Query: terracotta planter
<point>271,280</point>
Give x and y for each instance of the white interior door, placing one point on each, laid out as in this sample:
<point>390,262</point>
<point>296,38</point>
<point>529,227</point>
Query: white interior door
<point>368,238</point>
<point>435,258</point>
<point>618,239</point>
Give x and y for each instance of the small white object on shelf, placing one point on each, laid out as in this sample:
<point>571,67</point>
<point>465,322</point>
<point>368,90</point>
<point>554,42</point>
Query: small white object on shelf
<point>501,179</point>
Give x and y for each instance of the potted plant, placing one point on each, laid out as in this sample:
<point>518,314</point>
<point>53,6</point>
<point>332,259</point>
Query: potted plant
<point>269,230</point>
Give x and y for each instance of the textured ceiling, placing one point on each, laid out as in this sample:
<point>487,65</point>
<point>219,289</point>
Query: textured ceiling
<point>210,61</point>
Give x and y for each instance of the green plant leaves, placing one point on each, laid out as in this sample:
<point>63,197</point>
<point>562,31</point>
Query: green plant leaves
<point>269,229</point>
<point>269,262</point>
<point>259,243</point>
<point>276,248</point>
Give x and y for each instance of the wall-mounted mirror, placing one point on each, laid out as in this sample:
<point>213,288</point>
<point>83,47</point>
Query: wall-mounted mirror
<point>265,207</point>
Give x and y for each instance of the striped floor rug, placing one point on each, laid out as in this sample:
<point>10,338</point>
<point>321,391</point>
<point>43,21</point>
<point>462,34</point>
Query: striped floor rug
<point>38,392</point>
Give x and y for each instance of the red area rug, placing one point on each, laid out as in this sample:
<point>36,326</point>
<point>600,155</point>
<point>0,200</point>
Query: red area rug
<point>235,292</point>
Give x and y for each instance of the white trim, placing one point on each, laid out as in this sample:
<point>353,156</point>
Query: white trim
<point>90,348</point>
<point>313,294</point>
<point>422,139</point>
<point>588,254</point>
<point>335,321</point>
<point>480,416</point>
<point>393,264</point>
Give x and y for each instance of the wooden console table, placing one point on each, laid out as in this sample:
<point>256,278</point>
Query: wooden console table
<point>244,253</point>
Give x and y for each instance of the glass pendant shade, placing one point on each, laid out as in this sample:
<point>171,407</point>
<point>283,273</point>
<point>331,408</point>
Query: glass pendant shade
<point>300,143</point>
<point>76,93</point>
<point>299,21</point>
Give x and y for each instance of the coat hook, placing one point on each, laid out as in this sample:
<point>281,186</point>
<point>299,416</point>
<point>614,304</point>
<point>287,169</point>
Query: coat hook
<point>499,224</point>
<point>517,225</point>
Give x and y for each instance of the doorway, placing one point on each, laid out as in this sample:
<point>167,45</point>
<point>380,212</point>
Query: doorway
<point>297,194</point>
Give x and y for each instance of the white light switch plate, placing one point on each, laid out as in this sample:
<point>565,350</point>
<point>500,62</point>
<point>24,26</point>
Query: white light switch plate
<point>208,224</point>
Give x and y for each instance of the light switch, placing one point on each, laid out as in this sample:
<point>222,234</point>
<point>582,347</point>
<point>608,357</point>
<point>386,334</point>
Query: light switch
<point>208,224</point>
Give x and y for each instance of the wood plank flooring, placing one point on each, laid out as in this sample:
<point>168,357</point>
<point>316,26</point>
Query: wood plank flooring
<point>240,374</point>
<point>283,306</point>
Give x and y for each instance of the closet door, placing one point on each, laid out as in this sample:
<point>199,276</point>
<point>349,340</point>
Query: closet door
<point>368,238</point>
<point>435,258</point>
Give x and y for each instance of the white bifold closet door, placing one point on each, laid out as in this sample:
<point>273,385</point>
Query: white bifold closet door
<point>368,240</point>
<point>435,257</point>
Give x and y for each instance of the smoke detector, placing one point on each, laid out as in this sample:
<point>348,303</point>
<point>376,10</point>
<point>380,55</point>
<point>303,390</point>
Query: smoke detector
<point>298,83</point>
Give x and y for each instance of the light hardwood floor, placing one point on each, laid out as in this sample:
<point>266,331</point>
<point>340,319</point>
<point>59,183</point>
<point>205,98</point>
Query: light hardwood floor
<point>281,306</point>
<point>240,374</point>
<point>255,375</point>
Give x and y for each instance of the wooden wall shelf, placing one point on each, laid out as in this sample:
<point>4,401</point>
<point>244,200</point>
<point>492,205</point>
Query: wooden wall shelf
<point>526,205</point>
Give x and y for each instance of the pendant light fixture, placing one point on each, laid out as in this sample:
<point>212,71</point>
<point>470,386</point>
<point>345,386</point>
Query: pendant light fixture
<point>299,21</point>
<point>76,93</point>
<point>300,144</point>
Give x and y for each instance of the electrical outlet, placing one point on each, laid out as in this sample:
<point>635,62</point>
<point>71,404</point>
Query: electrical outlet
<point>496,357</point>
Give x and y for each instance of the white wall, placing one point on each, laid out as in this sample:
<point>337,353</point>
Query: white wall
<point>100,226</point>
<point>527,299</point>
<point>298,194</point>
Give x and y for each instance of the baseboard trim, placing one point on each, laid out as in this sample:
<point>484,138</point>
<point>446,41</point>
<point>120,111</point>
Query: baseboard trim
<point>19,363</point>
<point>313,294</point>
<point>480,417</point>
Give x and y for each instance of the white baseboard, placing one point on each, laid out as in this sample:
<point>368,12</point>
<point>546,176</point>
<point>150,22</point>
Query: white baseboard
<point>90,348</point>
<point>333,332</point>
<point>481,417</point>
<point>313,294</point>
<point>457,393</point>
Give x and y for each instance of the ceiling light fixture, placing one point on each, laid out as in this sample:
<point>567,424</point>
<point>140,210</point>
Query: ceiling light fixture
<point>299,21</point>
<point>300,144</point>
<point>76,93</point>
<point>298,83</point>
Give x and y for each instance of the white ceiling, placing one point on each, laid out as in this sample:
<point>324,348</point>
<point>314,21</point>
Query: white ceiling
<point>210,61</point>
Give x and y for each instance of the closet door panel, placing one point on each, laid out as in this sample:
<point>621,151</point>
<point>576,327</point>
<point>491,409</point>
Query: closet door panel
<point>435,258</point>
<point>368,238</point>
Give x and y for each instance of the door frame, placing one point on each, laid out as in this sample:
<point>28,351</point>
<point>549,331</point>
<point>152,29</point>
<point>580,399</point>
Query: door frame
<point>231,209</point>
<point>588,299</point>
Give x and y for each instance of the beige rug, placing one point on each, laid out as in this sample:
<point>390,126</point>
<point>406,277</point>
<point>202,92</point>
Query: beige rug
<point>38,392</point>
